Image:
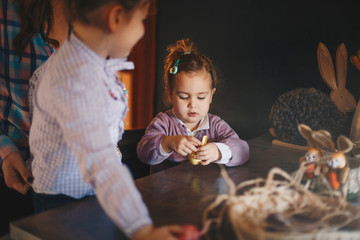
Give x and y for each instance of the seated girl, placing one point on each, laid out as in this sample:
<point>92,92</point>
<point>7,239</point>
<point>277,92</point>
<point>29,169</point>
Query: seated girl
<point>173,136</point>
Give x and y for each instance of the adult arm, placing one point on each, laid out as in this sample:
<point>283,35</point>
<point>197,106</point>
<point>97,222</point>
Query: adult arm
<point>15,173</point>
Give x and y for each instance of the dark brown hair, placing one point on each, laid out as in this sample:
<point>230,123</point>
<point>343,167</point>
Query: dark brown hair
<point>190,60</point>
<point>36,17</point>
<point>88,11</point>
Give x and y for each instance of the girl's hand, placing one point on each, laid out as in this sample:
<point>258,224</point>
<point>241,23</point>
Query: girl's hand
<point>169,232</point>
<point>183,145</point>
<point>208,154</point>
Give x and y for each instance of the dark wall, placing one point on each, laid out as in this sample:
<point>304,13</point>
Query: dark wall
<point>261,49</point>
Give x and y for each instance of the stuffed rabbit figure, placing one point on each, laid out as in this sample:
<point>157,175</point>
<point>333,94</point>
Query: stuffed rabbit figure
<point>326,159</point>
<point>337,169</point>
<point>342,98</point>
<point>312,158</point>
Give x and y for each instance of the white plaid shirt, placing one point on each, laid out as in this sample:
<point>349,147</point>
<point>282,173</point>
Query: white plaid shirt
<point>76,125</point>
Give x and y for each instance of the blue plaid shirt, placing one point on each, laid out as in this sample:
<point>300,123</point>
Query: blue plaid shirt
<point>14,82</point>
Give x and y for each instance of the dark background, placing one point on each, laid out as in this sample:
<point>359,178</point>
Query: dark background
<point>261,49</point>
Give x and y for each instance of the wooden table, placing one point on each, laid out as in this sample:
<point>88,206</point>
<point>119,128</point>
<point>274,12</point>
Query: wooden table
<point>175,196</point>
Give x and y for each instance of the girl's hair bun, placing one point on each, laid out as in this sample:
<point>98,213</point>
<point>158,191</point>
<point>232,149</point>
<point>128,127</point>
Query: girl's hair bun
<point>183,46</point>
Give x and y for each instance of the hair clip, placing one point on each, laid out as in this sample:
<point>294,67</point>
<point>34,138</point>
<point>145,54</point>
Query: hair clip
<point>174,69</point>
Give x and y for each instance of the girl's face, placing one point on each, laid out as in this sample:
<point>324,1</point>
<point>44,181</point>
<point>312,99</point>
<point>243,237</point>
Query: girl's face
<point>130,31</point>
<point>191,97</point>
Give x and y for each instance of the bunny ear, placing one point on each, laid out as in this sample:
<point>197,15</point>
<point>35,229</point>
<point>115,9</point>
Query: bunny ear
<point>341,65</point>
<point>344,144</point>
<point>306,131</point>
<point>344,174</point>
<point>326,66</point>
<point>324,140</point>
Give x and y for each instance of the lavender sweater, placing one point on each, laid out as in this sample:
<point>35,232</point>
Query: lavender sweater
<point>167,124</point>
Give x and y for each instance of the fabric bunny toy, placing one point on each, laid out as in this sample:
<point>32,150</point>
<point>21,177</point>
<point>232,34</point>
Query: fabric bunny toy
<point>325,160</point>
<point>313,155</point>
<point>337,170</point>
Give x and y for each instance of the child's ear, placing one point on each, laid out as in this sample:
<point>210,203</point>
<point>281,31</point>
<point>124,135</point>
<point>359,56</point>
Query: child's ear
<point>115,17</point>
<point>212,94</point>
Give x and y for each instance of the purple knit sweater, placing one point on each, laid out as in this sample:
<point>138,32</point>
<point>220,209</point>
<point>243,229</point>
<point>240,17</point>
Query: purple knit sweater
<point>166,124</point>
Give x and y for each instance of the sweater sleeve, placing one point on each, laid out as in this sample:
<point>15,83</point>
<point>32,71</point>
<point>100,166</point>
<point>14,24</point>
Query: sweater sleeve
<point>148,149</point>
<point>225,134</point>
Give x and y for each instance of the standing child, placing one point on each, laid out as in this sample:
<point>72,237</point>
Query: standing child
<point>190,81</point>
<point>78,108</point>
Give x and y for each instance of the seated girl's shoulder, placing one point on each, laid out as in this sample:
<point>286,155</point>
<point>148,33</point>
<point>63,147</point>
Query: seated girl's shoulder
<point>214,118</point>
<point>216,121</point>
<point>165,117</point>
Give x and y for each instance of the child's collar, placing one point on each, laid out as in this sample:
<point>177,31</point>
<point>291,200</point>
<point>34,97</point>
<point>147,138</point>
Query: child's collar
<point>203,125</point>
<point>110,65</point>
<point>118,64</point>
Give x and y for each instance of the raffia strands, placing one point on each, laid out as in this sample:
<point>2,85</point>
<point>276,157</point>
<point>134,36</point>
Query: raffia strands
<point>278,207</point>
